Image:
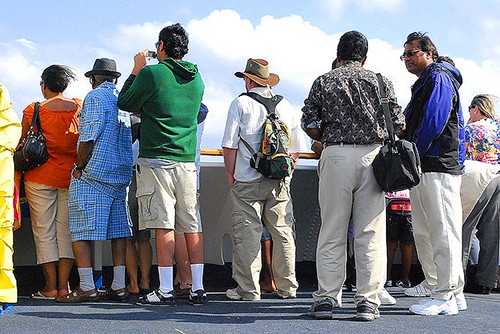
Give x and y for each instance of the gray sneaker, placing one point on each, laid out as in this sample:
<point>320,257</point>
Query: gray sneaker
<point>321,309</point>
<point>366,311</point>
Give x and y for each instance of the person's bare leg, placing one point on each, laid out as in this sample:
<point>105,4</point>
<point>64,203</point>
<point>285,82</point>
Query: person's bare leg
<point>118,250</point>
<point>83,254</point>
<point>145,252</point>
<point>65,266</point>
<point>391,251</point>
<point>406,257</point>
<point>183,266</point>
<point>131,262</point>
<point>50,276</point>
<point>267,283</point>
<point>194,243</point>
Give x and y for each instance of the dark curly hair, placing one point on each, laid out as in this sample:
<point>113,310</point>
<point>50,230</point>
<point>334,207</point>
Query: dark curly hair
<point>57,78</point>
<point>424,43</point>
<point>353,45</point>
<point>175,41</point>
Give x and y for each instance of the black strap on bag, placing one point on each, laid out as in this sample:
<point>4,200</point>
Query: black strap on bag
<point>33,149</point>
<point>384,100</point>
<point>397,165</point>
<point>36,119</point>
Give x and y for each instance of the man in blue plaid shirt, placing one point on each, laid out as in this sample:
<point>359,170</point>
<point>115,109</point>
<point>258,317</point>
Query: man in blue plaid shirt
<point>102,172</point>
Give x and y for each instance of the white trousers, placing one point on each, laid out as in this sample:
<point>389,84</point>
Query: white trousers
<point>437,229</point>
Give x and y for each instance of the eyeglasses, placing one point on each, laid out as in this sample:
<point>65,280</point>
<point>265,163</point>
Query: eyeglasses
<point>471,107</point>
<point>157,44</point>
<point>409,54</point>
<point>41,82</point>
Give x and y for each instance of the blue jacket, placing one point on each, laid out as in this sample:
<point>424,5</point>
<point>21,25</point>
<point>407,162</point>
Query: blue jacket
<point>434,119</point>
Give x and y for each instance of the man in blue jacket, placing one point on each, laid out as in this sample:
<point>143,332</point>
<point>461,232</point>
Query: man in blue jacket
<point>434,121</point>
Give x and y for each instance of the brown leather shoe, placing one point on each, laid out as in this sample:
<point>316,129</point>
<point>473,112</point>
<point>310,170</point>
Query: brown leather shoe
<point>181,293</point>
<point>114,295</point>
<point>78,296</point>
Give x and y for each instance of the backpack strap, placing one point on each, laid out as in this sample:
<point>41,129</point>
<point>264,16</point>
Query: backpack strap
<point>269,102</point>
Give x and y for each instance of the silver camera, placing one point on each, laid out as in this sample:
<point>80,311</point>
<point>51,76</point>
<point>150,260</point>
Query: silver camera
<point>151,54</point>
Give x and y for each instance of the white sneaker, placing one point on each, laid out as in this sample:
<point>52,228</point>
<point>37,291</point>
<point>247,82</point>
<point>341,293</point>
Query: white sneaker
<point>436,307</point>
<point>418,291</point>
<point>461,302</point>
<point>386,298</point>
<point>233,295</point>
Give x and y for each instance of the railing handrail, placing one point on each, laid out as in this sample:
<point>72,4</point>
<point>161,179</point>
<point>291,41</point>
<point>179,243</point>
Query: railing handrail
<point>218,152</point>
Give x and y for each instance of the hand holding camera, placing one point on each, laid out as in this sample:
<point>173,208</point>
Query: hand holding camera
<point>151,54</point>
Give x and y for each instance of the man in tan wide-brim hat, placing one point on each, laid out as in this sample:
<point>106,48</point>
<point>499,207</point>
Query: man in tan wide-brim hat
<point>251,190</point>
<point>257,70</point>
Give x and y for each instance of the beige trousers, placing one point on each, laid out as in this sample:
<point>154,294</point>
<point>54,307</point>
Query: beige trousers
<point>437,229</point>
<point>254,203</point>
<point>50,222</point>
<point>347,187</point>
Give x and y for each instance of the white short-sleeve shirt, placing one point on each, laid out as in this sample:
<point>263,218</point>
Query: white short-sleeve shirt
<point>245,119</point>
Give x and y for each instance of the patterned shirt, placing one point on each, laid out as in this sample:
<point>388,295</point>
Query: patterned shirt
<point>110,166</point>
<point>345,104</point>
<point>482,141</point>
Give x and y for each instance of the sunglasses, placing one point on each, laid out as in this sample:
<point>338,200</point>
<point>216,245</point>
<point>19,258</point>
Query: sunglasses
<point>409,54</point>
<point>157,44</point>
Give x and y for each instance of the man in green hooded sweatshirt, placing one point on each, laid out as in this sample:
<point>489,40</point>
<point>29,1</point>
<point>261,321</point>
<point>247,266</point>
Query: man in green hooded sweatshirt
<point>168,97</point>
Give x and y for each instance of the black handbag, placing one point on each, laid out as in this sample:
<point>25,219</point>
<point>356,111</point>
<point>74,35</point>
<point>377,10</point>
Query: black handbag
<point>33,149</point>
<point>397,165</point>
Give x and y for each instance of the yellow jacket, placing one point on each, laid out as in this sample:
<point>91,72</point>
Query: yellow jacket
<point>10,125</point>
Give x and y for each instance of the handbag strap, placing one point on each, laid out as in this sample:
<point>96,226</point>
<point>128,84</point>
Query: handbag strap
<point>384,100</point>
<point>36,119</point>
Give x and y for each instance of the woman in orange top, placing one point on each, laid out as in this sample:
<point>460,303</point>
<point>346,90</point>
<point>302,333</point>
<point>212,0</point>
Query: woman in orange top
<point>47,185</point>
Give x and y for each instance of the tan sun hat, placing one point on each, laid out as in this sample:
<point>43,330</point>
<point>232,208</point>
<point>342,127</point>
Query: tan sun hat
<point>258,71</point>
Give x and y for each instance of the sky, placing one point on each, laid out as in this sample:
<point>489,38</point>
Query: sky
<point>297,37</point>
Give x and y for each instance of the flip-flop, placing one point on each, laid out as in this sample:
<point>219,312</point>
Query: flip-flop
<point>40,295</point>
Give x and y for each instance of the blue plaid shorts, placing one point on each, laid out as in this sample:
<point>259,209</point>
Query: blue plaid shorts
<point>96,216</point>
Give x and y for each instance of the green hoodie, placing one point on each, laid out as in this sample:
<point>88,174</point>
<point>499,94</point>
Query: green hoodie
<point>168,97</point>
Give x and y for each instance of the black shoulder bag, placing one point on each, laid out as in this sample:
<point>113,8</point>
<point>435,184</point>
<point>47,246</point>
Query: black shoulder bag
<point>397,165</point>
<point>33,150</point>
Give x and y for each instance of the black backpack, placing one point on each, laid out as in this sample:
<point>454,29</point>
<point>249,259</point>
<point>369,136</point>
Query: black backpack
<point>273,159</point>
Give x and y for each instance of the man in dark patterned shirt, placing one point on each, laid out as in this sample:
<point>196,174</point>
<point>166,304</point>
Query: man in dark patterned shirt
<point>344,112</point>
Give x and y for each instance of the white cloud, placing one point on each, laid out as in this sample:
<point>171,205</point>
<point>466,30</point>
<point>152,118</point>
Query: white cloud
<point>220,44</point>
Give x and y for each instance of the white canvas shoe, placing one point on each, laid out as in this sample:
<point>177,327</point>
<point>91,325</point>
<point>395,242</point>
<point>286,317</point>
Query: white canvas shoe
<point>461,302</point>
<point>436,307</point>
<point>418,291</point>
<point>233,295</point>
<point>386,298</point>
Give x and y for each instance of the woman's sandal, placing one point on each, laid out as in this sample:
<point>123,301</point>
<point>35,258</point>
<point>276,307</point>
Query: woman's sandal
<point>78,296</point>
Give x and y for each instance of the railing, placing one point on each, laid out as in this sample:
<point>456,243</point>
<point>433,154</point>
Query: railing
<point>218,152</point>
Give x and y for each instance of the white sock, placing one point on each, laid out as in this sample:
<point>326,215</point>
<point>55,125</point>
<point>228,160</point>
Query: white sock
<point>197,276</point>
<point>166,279</point>
<point>86,279</point>
<point>118,278</point>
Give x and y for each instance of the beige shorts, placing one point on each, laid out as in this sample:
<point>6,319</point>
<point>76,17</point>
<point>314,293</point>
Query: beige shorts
<point>167,198</point>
